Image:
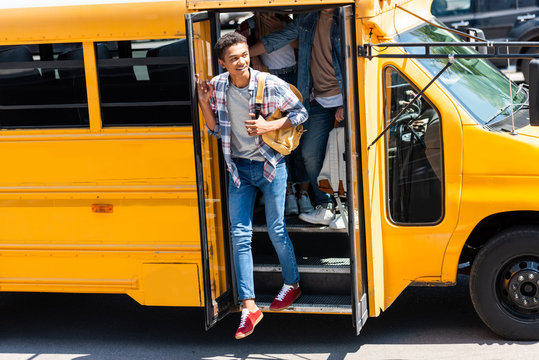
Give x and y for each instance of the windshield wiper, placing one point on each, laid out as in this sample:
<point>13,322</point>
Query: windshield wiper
<point>501,110</point>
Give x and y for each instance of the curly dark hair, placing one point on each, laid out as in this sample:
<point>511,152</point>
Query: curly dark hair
<point>227,41</point>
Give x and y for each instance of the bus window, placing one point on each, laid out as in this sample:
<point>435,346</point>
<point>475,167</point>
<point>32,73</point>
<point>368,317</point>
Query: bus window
<point>144,83</point>
<point>42,86</point>
<point>414,157</point>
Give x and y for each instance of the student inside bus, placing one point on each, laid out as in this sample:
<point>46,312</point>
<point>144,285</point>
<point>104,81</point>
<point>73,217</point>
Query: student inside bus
<point>319,75</point>
<point>228,105</point>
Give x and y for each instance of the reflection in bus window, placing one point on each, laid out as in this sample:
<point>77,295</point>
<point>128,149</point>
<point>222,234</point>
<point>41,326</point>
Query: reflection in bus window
<point>41,87</point>
<point>144,83</point>
<point>414,158</point>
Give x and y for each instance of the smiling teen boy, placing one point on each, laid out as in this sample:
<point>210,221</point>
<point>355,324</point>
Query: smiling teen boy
<point>228,106</point>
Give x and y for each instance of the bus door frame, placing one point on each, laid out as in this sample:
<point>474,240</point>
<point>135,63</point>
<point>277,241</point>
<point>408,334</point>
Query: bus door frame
<point>356,225</point>
<point>216,305</point>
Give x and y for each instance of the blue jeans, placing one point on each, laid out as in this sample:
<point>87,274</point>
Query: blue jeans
<point>313,146</point>
<point>295,167</point>
<point>241,204</point>
<point>290,75</point>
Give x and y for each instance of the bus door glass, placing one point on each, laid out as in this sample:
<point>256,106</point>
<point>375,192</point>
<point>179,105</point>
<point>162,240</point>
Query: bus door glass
<point>202,29</point>
<point>356,230</point>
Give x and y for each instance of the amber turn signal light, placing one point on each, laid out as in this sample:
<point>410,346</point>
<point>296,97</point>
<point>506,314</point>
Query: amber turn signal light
<point>102,208</point>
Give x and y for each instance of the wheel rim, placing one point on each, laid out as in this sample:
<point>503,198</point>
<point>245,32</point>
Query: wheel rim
<point>518,287</point>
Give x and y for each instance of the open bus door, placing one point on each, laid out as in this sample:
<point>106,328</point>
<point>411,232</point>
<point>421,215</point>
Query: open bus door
<point>356,227</point>
<point>202,29</point>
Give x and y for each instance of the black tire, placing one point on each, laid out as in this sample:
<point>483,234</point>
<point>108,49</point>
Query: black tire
<point>525,65</point>
<point>504,283</point>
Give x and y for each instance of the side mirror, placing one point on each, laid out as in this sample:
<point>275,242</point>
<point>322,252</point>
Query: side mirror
<point>478,33</point>
<point>534,92</point>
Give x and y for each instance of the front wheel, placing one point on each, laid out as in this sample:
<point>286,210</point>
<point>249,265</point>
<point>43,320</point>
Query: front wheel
<point>504,283</point>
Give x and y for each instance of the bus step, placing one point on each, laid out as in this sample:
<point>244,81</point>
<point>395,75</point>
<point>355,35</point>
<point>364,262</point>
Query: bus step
<point>321,304</point>
<point>317,275</point>
<point>301,228</point>
<point>314,265</point>
<point>293,225</point>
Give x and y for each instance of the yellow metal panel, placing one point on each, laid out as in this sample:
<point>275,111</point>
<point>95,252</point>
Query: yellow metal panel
<point>414,252</point>
<point>171,284</point>
<point>387,18</point>
<point>396,256</point>
<point>364,8</point>
<point>112,133</point>
<point>250,4</point>
<point>97,160</point>
<point>52,183</point>
<point>183,251</point>
<point>142,221</point>
<point>90,69</point>
<point>52,241</point>
<point>369,98</point>
<point>409,252</point>
<point>65,272</point>
<point>377,19</point>
<point>497,167</point>
<point>105,272</point>
<point>93,22</point>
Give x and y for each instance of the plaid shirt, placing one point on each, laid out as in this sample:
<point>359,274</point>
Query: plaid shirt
<point>277,95</point>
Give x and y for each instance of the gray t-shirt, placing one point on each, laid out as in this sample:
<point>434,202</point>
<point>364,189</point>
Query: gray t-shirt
<point>241,144</point>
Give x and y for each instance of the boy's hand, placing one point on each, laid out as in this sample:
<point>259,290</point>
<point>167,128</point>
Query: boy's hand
<point>258,126</point>
<point>204,90</point>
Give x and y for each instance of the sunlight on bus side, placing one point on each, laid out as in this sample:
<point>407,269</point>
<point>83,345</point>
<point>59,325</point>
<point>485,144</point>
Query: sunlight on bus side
<point>8,4</point>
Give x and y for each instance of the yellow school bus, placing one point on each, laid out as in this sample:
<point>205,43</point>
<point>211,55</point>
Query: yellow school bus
<point>111,184</point>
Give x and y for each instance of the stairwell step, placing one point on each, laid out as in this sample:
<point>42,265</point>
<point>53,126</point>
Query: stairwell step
<point>308,303</point>
<point>305,265</point>
<point>300,228</point>
<point>304,269</point>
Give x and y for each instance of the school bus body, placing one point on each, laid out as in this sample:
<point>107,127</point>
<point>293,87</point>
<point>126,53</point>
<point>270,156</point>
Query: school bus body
<point>489,176</point>
<point>58,186</point>
<point>148,246</point>
<point>99,22</point>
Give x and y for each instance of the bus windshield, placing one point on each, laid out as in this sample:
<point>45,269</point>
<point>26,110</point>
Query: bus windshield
<point>477,84</point>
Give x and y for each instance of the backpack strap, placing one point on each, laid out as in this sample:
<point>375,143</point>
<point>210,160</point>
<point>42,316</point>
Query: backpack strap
<point>260,93</point>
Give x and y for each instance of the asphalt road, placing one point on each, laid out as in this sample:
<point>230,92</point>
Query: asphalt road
<point>424,323</point>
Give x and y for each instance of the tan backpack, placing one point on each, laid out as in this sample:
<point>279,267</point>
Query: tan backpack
<point>282,140</point>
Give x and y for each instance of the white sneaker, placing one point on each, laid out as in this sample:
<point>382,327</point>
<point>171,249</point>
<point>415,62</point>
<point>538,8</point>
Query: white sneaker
<point>337,223</point>
<point>304,202</point>
<point>291,205</point>
<point>321,215</point>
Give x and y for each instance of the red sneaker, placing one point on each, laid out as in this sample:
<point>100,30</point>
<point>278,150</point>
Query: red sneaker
<point>248,322</point>
<point>285,298</point>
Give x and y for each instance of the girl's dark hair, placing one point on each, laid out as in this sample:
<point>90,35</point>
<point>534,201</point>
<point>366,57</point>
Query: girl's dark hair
<point>227,41</point>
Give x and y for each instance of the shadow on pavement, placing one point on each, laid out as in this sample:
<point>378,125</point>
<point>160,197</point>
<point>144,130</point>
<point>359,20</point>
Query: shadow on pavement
<point>116,327</point>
